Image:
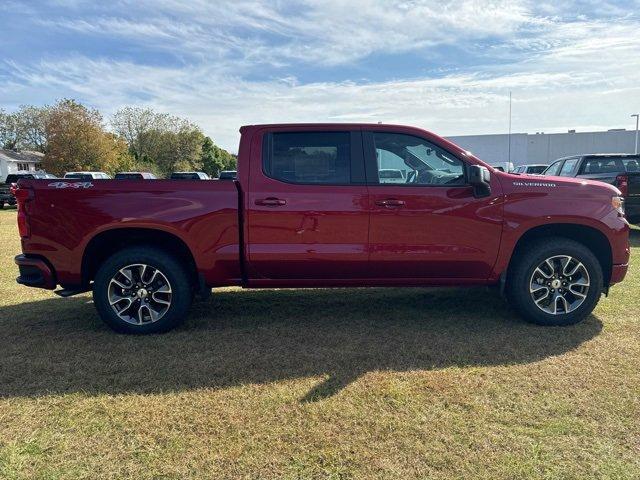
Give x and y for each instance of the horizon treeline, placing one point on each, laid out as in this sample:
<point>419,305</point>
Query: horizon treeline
<point>75,137</point>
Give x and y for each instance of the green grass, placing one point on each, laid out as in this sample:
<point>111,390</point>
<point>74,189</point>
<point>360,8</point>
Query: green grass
<point>364,383</point>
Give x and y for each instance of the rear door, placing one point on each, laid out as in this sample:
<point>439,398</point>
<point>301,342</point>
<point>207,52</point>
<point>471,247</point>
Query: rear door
<point>431,227</point>
<point>307,209</point>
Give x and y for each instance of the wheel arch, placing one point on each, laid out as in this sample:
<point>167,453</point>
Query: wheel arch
<point>590,237</point>
<point>106,243</point>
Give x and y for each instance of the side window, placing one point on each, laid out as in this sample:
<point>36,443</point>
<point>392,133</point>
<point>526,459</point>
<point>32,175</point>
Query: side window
<point>568,167</point>
<point>308,157</point>
<point>409,160</point>
<point>554,168</point>
<point>602,165</point>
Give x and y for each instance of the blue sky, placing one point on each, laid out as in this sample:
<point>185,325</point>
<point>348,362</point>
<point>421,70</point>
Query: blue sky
<point>442,65</point>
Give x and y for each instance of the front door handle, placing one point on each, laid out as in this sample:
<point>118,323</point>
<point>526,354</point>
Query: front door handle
<point>390,202</point>
<point>271,202</point>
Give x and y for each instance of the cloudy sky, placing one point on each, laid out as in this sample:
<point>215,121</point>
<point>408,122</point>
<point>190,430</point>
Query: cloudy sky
<point>447,66</point>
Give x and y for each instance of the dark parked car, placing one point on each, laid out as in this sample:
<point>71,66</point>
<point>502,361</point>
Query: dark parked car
<point>134,176</point>
<point>189,176</point>
<point>228,175</point>
<point>621,170</point>
<point>6,197</point>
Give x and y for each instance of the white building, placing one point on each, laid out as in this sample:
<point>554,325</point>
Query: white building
<point>12,162</point>
<point>545,147</point>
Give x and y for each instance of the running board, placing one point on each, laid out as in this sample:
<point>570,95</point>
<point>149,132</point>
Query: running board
<point>69,292</point>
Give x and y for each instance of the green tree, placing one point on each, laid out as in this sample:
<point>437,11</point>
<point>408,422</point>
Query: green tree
<point>24,129</point>
<point>77,140</point>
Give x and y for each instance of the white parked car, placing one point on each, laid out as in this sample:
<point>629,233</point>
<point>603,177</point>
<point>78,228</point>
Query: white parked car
<point>535,169</point>
<point>389,175</point>
<point>87,176</point>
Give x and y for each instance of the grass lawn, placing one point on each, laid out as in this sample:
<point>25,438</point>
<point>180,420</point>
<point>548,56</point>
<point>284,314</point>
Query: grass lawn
<point>366,383</point>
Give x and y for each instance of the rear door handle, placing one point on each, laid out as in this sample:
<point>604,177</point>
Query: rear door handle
<point>271,202</point>
<point>390,202</point>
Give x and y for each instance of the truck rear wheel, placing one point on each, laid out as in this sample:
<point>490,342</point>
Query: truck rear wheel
<point>142,290</point>
<point>555,281</point>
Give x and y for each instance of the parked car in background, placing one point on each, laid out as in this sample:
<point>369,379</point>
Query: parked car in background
<point>503,166</point>
<point>227,175</point>
<point>134,176</point>
<point>6,195</point>
<point>390,175</point>
<point>309,209</point>
<point>85,176</point>
<point>622,170</point>
<point>535,169</point>
<point>189,176</point>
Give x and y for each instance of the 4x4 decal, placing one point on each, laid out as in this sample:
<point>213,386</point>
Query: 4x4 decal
<point>71,184</point>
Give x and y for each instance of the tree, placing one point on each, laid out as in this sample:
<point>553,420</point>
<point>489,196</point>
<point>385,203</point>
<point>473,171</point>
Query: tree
<point>169,143</point>
<point>216,159</point>
<point>77,140</point>
<point>24,129</point>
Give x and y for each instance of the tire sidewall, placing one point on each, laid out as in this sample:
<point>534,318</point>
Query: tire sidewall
<point>538,253</point>
<point>175,273</point>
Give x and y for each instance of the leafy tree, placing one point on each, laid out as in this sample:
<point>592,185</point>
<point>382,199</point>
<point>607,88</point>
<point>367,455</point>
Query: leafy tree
<point>216,159</point>
<point>77,140</point>
<point>24,129</point>
<point>169,143</point>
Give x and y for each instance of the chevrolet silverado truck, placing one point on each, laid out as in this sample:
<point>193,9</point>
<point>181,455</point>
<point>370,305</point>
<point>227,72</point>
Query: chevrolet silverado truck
<point>621,170</point>
<point>309,208</point>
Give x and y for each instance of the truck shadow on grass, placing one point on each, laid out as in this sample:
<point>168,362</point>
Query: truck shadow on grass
<point>57,346</point>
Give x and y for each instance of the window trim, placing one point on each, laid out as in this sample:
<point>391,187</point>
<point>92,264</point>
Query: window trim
<point>356,158</point>
<point>371,164</point>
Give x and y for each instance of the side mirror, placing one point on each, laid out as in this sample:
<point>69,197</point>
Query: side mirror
<point>480,180</point>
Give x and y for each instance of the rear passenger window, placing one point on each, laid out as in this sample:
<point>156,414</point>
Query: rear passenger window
<point>308,157</point>
<point>603,165</point>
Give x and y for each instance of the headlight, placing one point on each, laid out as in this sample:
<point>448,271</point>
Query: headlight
<point>618,204</point>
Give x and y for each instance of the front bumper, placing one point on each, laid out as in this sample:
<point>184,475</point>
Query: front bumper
<point>618,272</point>
<point>35,272</point>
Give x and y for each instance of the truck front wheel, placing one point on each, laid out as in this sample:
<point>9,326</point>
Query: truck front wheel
<point>555,281</point>
<point>142,290</point>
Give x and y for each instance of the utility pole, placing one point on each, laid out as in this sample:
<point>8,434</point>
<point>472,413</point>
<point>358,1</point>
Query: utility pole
<point>637,115</point>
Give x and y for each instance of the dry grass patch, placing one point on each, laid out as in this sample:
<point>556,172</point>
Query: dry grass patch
<point>374,383</point>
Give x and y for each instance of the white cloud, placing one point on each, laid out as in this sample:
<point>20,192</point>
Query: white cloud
<point>575,73</point>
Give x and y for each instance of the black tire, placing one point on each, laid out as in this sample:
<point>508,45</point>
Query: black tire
<point>181,289</point>
<point>529,257</point>
<point>1,205</point>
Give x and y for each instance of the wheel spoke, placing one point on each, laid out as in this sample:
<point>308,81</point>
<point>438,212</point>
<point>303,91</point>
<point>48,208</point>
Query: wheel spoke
<point>563,300</point>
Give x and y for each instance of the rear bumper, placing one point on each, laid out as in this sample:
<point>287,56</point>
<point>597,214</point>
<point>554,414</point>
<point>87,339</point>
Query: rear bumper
<point>618,272</point>
<point>7,198</point>
<point>632,210</point>
<point>35,272</point>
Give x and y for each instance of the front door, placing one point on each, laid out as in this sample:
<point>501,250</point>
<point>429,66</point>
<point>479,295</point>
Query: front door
<point>429,225</point>
<point>307,210</point>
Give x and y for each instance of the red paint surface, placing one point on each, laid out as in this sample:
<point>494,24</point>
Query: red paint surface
<point>319,235</point>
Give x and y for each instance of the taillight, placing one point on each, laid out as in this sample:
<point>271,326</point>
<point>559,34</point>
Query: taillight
<point>622,182</point>
<point>23,197</point>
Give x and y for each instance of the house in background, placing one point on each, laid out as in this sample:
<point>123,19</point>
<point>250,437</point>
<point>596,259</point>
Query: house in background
<point>12,161</point>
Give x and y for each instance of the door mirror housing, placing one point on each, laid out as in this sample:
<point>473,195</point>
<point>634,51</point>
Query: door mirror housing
<point>480,180</point>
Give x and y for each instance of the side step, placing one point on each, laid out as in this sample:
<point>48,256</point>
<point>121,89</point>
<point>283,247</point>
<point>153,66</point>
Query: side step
<point>69,292</point>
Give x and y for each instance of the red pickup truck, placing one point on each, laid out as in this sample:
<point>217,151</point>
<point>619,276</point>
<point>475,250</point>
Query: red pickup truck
<point>309,209</point>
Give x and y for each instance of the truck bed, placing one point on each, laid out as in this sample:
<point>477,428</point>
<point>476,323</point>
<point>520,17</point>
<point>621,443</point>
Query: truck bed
<point>66,216</point>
